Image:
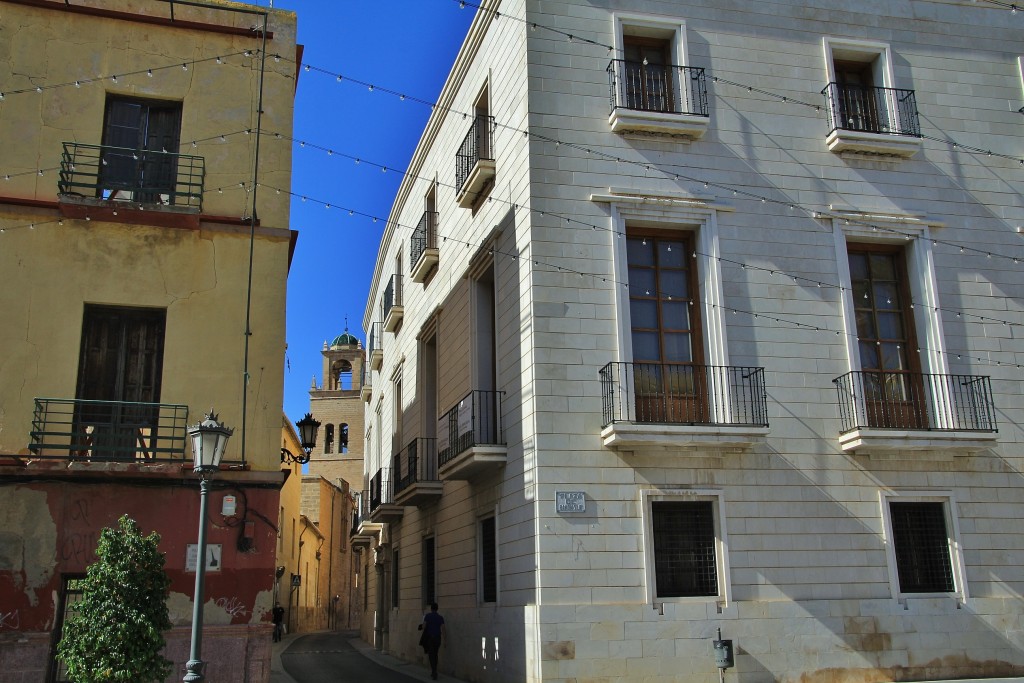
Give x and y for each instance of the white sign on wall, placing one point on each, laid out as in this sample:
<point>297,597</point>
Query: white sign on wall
<point>212,557</point>
<point>570,501</point>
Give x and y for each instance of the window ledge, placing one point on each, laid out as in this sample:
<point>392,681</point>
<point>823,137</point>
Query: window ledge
<point>427,260</point>
<point>367,532</point>
<point>876,144</point>
<point>376,359</point>
<point>629,436</point>
<point>910,444</point>
<point>623,120</point>
<point>482,173</point>
<point>474,461</point>
<point>420,493</point>
<point>393,318</point>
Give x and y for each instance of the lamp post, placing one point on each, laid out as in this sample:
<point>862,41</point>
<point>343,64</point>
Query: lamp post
<point>308,427</point>
<point>209,438</point>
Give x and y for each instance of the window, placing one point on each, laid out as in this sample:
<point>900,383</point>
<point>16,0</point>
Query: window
<point>684,543</point>
<point>474,161</point>
<point>70,596</point>
<point>664,309</point>
<point>396,582</point>
<point>488,561</point>
<point>120,368</point>
<point>885,337</point>
<point>428,572</point>
<point>648,73</point>
<point>923,550</point>
<point>864,105</point>
<point>329,438</point>
<point>140,140</point>
<point>343,438</point>
<point>342,376</point>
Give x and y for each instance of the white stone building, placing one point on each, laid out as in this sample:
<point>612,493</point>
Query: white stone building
<point>699,315</point>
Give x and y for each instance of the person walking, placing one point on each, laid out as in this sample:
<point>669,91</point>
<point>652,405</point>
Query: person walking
<point>278,614</point>
<point>433,636</point>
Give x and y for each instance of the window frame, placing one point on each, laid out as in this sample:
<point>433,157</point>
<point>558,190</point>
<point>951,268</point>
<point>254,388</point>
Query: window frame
<point>717,498</point>
<point>956,556</point>
<point>672,29</point>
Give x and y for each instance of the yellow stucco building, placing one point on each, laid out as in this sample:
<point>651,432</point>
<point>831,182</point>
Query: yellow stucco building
<point>144,254</point>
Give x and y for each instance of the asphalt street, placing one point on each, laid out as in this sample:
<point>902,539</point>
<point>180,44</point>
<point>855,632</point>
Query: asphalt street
<point>340,657</point>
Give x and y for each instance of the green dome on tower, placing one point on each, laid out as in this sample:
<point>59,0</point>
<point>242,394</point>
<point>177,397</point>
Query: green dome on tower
<point>345,339</point>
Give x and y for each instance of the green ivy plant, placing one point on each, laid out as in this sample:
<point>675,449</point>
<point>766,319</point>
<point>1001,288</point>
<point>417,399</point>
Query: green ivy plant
<point>116,631</point>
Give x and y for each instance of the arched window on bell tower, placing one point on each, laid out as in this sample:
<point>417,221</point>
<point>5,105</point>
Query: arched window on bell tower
<point>329,439</point>
<point>343,375</point>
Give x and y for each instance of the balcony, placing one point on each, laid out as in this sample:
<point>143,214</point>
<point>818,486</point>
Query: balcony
<point>108,431</point>
<point>664,99</point>
<point>423,254</point>
<point>868,120</point>
<point>363,531</point>
<point>416,481</point>
<point>104,178</point>
<point>470,439</point>
<point>373,346</point>
<point>474,162</point>
<point>651,406</point>
<point>382,497</point>
<point>366,386</point>
<point>391,307</point>
<point>911,415</point>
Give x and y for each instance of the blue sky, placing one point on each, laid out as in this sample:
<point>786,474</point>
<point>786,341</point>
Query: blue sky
<point>403,45</point>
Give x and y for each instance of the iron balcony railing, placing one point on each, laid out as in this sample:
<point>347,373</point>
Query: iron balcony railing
<point>658,87</point>
<point>914,401</point>
<point>375,338</point>
<point>683,394</point>
<point>423,237</point>
<point>132,175</point>
<point>866,109</point>
<point>416,463</point>
<point>474,421</point>
<point>76,429</point>
<point>360,510</point>
<point>392,295</point>
<point>382,490</point>
<point>475,147</point>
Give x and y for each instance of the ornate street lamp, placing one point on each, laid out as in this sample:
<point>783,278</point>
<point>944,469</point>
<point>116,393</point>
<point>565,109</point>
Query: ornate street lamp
<point>209,439</point>
<point>308,427</point>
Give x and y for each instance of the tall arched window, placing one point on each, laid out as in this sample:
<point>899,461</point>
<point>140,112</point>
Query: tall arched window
<point>329,439</point>
<point>343,437</point>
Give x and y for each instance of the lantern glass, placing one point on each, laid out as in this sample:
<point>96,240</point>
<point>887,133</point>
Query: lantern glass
<point>209,440</point>
<point>308,428</point>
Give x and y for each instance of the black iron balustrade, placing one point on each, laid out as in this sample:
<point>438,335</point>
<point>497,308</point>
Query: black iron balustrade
<point>140,176</point>
<point>915,401</point>
<point>392,295</point>
<point>665,88</point>
<point>423,237</point>
<point>474,421</point>
<point>477,146</point>
<point>416,463</point>
<point>375,338</point>
<point>381,489</point>
<point>661,393</point>
<point>360,510</point>
<point>866,109</point>
<point>76,429</point>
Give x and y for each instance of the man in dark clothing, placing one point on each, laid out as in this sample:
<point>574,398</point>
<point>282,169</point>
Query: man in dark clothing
<point>278,621</point>
<point>433,635</point>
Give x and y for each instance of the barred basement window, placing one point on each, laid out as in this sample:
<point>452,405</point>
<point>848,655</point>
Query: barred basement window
<point>488,561</point>
<point>683,533</point>
<point>921,544</point>
<point>429,591</point>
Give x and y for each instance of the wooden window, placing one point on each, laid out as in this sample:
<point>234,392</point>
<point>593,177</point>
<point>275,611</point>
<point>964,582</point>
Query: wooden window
<point>120,364</point>
<point>893,389</point>
<point>648,73</point>
<point>685,562</point>
<point>670,380</point>
<point>858,98</point>
<point>142,139</point>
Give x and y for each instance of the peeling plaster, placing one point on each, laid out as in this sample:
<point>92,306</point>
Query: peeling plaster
<point>27,551</point>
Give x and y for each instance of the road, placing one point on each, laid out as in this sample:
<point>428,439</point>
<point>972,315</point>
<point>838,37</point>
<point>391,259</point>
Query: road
<point>330,657</point>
